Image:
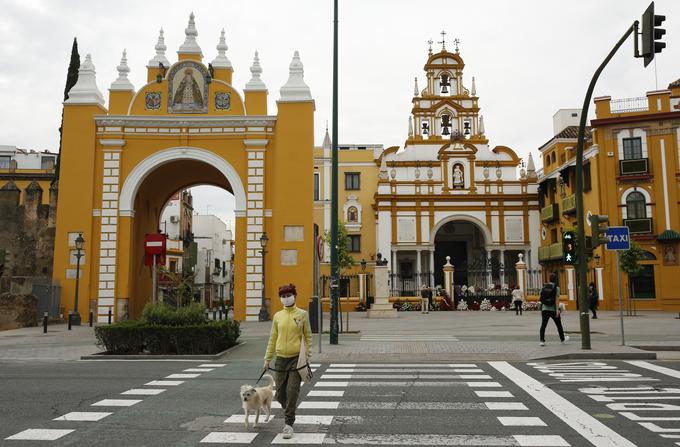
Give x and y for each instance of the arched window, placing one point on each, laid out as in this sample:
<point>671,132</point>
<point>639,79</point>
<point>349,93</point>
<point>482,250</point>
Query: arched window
<point>636,206</point>
<point>352,214</point>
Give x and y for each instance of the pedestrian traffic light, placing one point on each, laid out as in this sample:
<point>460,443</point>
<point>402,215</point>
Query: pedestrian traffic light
<point>651,34</point>
<point>600,227</point>
<point>568,247</point>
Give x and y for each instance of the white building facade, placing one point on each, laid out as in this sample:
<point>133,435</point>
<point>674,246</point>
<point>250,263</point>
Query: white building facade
<point>214,263</point>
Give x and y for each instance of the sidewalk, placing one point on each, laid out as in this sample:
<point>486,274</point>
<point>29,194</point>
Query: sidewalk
<point>433,337</point>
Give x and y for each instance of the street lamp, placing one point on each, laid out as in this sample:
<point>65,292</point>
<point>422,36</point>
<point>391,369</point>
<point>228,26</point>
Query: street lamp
<point>75,317</point>
<point>363,265</point>
<point>264,314</point>
<point>597,260</point>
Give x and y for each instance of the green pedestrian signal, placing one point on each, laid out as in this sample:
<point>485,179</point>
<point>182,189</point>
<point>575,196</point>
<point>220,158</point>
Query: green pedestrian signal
<point>652,34</point>
<point>568,248</point>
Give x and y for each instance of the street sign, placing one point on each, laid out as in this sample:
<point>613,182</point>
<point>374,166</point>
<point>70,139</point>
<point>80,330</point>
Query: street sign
<point>618,238</point>
<point>320,248</point>
<point>154,249</point>
<point>568,247</point>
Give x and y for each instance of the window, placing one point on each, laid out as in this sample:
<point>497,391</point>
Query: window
<point>587,181</point>
<point>642,283</point>
<point>352,180</point>
<point>552,158</point>
<point>316,186</point>
<point>47,163</point>
<point>173,265</point>
<point>553,236</point>
<point>4,162</point>
<point>632,148</point>
<point>352,214</point>
<point>354,243</point>
<point>636,206</point>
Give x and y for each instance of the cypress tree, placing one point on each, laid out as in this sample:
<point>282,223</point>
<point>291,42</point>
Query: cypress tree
<point>71,79</point>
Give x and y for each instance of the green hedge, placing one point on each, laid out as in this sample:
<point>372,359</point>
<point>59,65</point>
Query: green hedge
<point>165,315</point>
<point>142,337</point>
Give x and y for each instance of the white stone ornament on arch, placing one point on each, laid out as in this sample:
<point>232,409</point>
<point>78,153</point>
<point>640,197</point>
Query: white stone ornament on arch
<point>139,173</point>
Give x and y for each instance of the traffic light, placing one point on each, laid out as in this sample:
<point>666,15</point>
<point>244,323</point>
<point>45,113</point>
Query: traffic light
<point>600,227</point>
<point>568,247</point>
<point>651,33</point>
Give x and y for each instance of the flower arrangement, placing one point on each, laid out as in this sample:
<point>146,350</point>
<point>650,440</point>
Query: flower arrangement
<point>462,305</point>
<point>474,305</point>
<point>485,304</point>
<point>406,307</point>
<point>531,305</point>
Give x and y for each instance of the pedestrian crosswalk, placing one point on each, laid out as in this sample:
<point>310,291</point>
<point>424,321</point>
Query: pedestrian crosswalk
<point>401,338</point>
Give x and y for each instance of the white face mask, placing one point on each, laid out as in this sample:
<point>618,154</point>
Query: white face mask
<point>288,301</point>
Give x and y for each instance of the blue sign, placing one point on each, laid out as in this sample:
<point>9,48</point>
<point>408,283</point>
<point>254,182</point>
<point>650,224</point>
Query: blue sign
<point>619,238</point>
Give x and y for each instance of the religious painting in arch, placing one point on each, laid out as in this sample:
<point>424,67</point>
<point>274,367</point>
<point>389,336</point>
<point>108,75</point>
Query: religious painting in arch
<point>458,173</point>
<point>188,89</point>
<point>352,214</point>
<point>670,254</point>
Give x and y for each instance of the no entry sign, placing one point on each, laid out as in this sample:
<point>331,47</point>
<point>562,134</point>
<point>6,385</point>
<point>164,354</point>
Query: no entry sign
<point>154,245</point>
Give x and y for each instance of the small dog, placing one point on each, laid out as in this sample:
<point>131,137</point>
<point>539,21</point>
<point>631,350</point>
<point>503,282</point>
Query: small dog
<point>257,399</point>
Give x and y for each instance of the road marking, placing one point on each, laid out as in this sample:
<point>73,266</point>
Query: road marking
<point>433,440</point>
<point>300,438</point>
<point>408,406</point>
<point>182,376</point>
<point>224,437</point>
<point>407,376</point>
<point>143,391</point>
<point>198,370</point>
<point>541,440</point>
<point>214,365</point>
<point>326,393</point>
<point>401,370</point>
<point>165,382</point>
<point>39,434</point>
<point>240,419</point>
<point>84,416</point>
<point>405,365</point>
<point>656,368</point>
<point>656,429</point>
<point>319,405</point>
<point>313,420</point>
<point>635,417</point>
<point>588,372</point>
<point>494,394</point>
<point>397,384</point>
<point>505,406</point>
<point>276,404</point>
<point>510,421</point>
<point>484,384</point>
<point>598,434</point>
<point>116,403</point>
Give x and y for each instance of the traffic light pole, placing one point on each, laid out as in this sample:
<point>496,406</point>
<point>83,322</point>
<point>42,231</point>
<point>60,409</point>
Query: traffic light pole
<point>584,316</point>
<point>334,329</point>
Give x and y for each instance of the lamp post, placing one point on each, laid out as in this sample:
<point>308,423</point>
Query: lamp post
<point>597,260</point>
<point>264,314</point>
<point>363,265</point>
<point>75,317</point>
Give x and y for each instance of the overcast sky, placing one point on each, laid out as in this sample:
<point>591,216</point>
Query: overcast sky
<point>529,58</point>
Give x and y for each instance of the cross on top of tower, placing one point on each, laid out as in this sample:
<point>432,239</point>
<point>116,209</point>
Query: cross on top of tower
<point>443,41</point>
<point>456,42</point>
<point>429,43</point>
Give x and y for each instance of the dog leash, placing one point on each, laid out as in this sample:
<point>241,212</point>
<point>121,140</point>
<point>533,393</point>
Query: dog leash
<point>280,370</point>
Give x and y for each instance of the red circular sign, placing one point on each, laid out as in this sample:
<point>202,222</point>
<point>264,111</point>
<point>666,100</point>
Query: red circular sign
<point>319,247</point>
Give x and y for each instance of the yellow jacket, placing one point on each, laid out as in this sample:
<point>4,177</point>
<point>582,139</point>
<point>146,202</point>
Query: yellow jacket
<point>288,326</point>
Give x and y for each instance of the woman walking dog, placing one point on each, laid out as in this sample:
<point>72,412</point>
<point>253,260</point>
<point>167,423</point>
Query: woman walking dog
<point>289,326</point>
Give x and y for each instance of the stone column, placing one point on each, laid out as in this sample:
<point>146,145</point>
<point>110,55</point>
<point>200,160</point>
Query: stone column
<point>362,288</point>
<point>489,275</point>
<point>521,268</point>
<point>600,286</point>
<point>570,282</point>
<point>448,276</point>
<point>381,307</point>
<point>418,268</point>
<point>502,268</point>
<point>432,284</point>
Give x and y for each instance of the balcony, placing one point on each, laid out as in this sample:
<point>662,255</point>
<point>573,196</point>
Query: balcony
<point>569,204</point>
<point>628,105</point>
<point>639,226</point>
<point>637,166</point>
<point>550,252</point>
<point>550,213</point>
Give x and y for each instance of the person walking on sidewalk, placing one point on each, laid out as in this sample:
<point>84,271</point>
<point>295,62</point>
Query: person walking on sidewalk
<point>550,308</point>
<point>289,325</point>
<point>593,298</point>
<point>425,294</point>
<point>518,300</point>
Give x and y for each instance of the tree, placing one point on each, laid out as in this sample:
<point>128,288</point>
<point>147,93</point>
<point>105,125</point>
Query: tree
<point>71,79</point>
<point>181,286</point>
<point>345,259</point>
<point>629,263</point>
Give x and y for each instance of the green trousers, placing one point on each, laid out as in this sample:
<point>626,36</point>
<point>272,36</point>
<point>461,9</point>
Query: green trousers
<point>287,386</point>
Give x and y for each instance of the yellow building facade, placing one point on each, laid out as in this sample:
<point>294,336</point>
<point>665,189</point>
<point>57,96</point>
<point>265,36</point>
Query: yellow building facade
<point>188,125</point>
<point>632,175</point>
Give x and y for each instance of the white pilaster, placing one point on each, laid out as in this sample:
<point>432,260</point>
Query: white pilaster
<point>600,286</point>
<point>570,282</point>
<point>255,215</point>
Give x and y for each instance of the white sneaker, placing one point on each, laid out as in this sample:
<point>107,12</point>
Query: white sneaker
<point>566,340</point>
<point>542,343</point>
<point>288,432</point>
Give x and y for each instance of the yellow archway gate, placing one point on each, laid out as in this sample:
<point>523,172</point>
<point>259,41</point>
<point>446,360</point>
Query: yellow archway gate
<point>187,125</point>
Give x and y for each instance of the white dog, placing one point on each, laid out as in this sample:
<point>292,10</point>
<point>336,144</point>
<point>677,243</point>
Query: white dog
<point>257,399</point>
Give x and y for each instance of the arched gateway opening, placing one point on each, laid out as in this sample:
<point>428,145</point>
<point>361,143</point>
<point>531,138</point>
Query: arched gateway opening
<point>464,242</point>
<point>145,194</point>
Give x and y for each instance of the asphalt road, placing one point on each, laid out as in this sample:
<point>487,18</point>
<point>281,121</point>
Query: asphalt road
<point>609,403</point>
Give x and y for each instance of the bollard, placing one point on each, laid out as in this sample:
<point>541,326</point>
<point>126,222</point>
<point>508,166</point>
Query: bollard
<point>45,323</point>
<point>109,315</point>
<point>214,314</point>
<point>207,314</point>
<point>220,313</point>
<point>70,314</point>
<point>91,318</point>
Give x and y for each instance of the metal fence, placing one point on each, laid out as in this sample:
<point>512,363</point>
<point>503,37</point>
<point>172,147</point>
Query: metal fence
<point>408,285</point>
<point>536,278</point>
<point>348,286</point>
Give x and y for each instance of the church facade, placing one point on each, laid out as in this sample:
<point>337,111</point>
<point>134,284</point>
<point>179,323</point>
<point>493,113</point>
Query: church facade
<point>446,193</point>
<point>187,125</point>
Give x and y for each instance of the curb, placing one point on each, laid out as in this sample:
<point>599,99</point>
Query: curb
<point>104,356</point>
<point>602,356</point>
<point>657,347</point>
